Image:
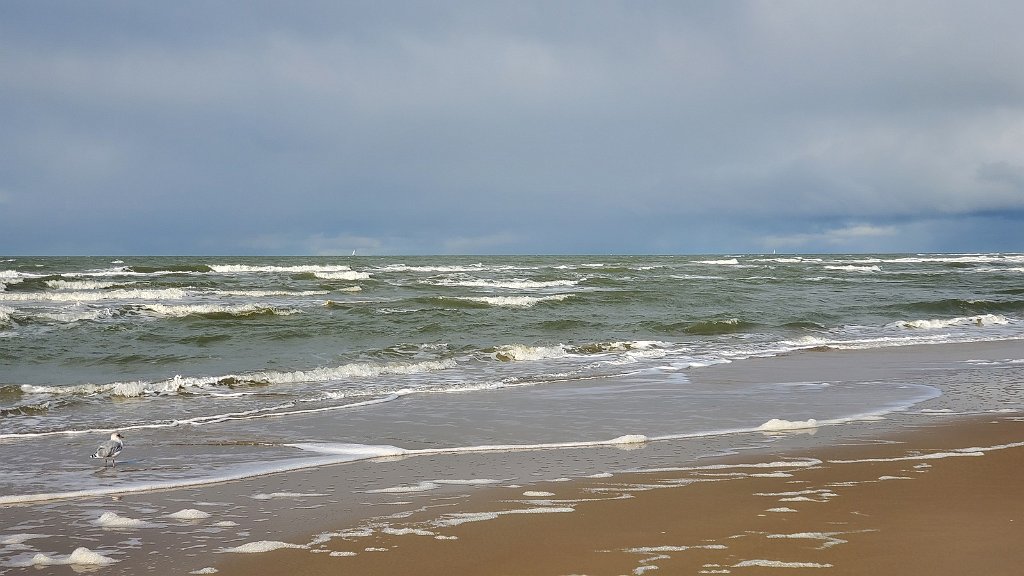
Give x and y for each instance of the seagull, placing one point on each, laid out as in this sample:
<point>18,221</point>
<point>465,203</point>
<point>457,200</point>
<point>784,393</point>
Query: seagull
<point>110,449</point>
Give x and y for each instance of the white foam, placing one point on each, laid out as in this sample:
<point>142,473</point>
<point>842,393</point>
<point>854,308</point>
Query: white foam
<point>183,310</point>
<point>431,485</point>
<point>852,268</point>
<point>273,495</point>
<point>520,352</point>
<point>6,315</point>
<point>779,564</point>
<point>515,284</point>
<point>76,314</point>
<point>514,301</point>
<point>80,557</point>
<point>829,538</point>
<point>96,295</point>
<point>207,570</point>
<point>449,520</point>
<point>537,494</point>
<point>189,514</point>
<point>113,520</point>
<point>932,456</point>
<point>179,383</point>
<point>820,492</point>
<point>723,262</point>
<point>261,546</point>
<point>777,425</point>
<point>979,320</point>
<point>348,452</point>
<point>407,531</point>
<point>781,509</point>
<point>662,549</point>
<point>795,463</point>
<point>246,269</point>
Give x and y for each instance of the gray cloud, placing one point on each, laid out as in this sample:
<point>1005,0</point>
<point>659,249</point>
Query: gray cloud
<point>319,127</point>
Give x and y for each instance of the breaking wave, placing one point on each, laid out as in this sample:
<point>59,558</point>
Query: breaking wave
<point>218,311</point>
<point>184,384</point>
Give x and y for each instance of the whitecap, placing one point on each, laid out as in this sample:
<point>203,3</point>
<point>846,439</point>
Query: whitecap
<point>515,301</point>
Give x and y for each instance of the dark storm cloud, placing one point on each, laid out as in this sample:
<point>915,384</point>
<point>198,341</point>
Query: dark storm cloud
<point>408,127</point>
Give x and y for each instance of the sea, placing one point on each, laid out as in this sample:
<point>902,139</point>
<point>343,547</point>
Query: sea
<point>218,369</point>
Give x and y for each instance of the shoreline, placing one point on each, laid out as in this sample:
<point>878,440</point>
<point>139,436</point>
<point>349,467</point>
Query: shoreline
<point>614,508</point>
<point>939,499</point>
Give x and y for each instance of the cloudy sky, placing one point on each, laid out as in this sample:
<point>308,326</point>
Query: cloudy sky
<point>599,127</point>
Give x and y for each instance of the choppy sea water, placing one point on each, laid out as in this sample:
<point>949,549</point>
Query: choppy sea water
<point>278,357</point>
<point>222,368</point>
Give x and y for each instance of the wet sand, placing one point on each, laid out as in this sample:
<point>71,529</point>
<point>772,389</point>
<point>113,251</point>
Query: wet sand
<point>941,499</point>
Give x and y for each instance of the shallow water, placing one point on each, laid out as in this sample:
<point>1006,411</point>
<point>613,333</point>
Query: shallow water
<point>220,367</point>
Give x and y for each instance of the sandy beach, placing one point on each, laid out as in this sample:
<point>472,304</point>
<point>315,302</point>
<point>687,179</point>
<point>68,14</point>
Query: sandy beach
<point>941,499</point>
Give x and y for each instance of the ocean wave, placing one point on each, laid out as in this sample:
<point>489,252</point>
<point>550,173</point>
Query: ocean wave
<point>218,311</point>
<point>78,314</point>
<point>521,352</point>
<point>122,389</point>
<point>514,301</point>
<point>853,268</point>
<point>96,295</point>
<point>343,275</point>
<point>980,320</point>
<point>714,327</point>
<point>80,284</point>
<point>7,315</point>
<point>247,269</point>
<point>964,307</point>
<point>959,259</point>
<point>15,275</point>
<point>184,384</point>
<point>909,337</point>
<point>31,409</point>
<point>513,284</point>
<point>267,293</point>
<point>396,268</point>
<point>722,262</point>
<point>354,370</point>
<point>174,269</point>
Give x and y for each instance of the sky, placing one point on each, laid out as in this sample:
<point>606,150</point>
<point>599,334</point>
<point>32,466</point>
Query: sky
<point>522,127</point>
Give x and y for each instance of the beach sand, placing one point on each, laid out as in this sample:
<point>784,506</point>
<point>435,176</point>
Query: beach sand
<point>939,499</point>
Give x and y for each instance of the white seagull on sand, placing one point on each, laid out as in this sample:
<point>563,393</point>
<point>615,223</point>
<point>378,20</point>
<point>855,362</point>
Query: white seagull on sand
<point>110,449</point>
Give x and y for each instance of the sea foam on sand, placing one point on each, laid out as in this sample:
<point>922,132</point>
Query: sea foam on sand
<point>261,546</point>
<point>777,425</point>
<point>80,557</point>
<point>189,514</point>
<point>113,520</point>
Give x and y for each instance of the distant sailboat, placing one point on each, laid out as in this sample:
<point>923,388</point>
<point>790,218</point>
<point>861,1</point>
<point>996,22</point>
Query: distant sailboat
<point>353,252</point>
